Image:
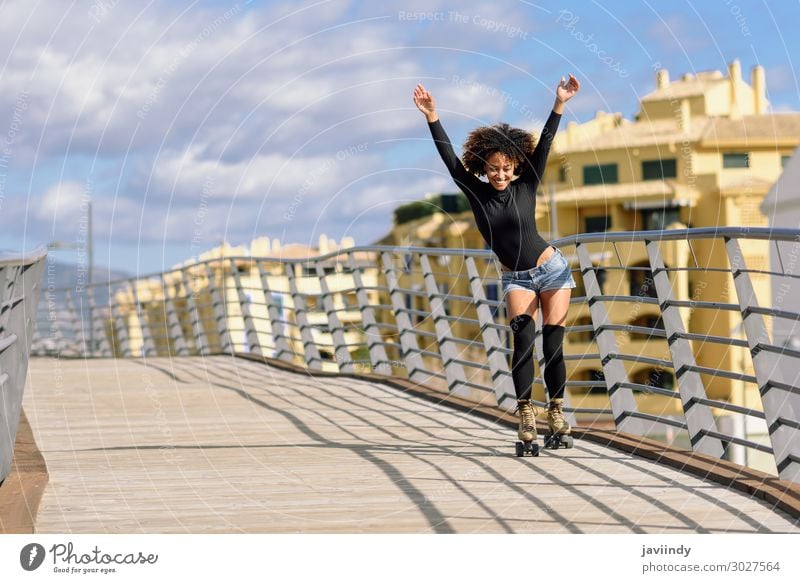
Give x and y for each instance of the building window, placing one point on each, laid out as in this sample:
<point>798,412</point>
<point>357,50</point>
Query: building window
<point>601,174</point>
<point>659,169</point>
<point>415,302</point>
<point>658,219</point>
<point>493,294</point>
<point>597,224</point>
<point>654,322</point>
<point>562,173</point>
<point>602,277</point>
<point>641,281</point>
<point>655,377</point>
<point>731,160</point>
<point>784,161</point>
<point>587,336</point>
<point>311,303</point>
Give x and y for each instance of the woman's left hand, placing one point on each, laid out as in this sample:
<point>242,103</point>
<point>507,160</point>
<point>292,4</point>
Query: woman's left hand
<point>567,88</point>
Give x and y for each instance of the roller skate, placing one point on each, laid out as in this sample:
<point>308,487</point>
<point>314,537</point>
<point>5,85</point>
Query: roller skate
<point>558,434</point>
<point>527,429</point>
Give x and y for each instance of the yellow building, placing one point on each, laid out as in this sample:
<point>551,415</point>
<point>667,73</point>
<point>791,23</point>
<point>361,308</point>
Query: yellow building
<point>210,318</point>
<point>702,151</point>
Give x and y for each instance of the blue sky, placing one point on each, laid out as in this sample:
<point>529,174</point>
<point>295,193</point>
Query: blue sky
<point>189,122</point>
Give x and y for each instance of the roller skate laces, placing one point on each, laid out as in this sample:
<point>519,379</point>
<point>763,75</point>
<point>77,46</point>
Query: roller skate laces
<point>555,418</point>
<point>527,420</point>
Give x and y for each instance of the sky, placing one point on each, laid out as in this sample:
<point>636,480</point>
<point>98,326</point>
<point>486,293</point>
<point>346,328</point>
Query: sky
<point>186,123</point>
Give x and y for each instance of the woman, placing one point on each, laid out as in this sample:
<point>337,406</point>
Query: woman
<point>504,210</point>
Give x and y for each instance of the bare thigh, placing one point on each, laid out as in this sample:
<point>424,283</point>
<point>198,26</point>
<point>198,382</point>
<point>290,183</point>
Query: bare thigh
<point>555,304</point>
<point>522,302</point>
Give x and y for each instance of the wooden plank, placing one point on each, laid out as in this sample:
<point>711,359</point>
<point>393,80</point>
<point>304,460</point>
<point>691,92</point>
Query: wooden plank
<point>220,444</point>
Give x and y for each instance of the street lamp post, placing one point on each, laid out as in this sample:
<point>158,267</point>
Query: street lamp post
<point>88,248</point>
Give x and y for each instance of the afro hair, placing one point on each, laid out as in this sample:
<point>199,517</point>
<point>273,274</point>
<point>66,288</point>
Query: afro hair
<point>484,141</point>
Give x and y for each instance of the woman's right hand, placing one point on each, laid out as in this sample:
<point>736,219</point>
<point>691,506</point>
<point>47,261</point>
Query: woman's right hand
<point>425,102</point>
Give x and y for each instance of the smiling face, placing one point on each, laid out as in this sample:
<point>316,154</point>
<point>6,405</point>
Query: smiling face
<point>499,170</point>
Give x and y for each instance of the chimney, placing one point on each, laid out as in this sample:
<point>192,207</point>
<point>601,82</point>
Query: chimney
<point>323,244</point>
<point>759,90</point>
<point>734,79</point>
<point>662,79</point>
<point>686,117</point>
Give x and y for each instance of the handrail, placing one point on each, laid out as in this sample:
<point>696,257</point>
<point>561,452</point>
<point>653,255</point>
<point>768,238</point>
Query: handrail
<point>429,313</point>
<point>20,281</point>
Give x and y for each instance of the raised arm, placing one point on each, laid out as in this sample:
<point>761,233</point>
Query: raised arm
<point>564,92</point>
<point>427,105</point>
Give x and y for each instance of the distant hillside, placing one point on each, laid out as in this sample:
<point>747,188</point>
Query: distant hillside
<point>59,278</point>
<point>66,275</point>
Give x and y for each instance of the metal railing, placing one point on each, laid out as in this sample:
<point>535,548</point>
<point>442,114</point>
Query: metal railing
<point>668,332</point>
<point>20,280</point>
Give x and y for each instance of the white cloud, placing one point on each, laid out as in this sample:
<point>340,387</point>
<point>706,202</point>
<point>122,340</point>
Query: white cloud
<point>259,105</point>
<point>61,203</point>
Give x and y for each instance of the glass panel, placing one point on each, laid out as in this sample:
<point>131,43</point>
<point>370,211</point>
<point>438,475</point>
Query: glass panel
<point>659,169</point>
<point>735,161</point>
<point>602,174</point>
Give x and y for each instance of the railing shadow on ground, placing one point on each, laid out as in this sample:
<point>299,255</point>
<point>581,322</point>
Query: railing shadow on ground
<point>331,405</point>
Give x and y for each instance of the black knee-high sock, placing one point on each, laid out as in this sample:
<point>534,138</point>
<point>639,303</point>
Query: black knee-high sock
<point>555,371</point>
<point>524,329</point>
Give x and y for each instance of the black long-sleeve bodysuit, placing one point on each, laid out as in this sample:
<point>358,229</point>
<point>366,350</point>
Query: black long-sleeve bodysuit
<point>506,218</point>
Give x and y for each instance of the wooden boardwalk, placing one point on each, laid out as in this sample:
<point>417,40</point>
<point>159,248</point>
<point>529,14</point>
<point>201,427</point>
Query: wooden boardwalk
<point>221,444</point>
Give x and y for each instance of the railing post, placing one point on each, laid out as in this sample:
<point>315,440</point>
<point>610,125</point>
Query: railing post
<point>218,304</point>
<point>310,350</point>
<point>282,349</point>
<point>148,346</point>
<point>56,336</point>
<point>622,401</point>
<point>502,381</point>
<point>454,371</point>
<point>174,330</point>
<point>341,352</point>
<point>699,418</point>
<point>377,353</point>
<point>77,326</point>
<point>121,328</point>
<point>99,333</point>
<point>408,340</point>
<point>253,345</point>
<point>781,401</point>
<point>199,335</point>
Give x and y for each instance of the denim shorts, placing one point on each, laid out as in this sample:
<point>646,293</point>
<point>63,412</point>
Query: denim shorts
<point>552,274</point>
